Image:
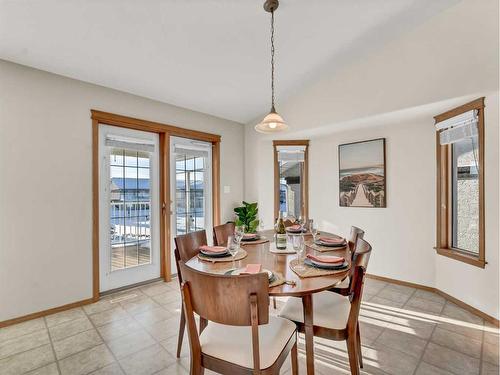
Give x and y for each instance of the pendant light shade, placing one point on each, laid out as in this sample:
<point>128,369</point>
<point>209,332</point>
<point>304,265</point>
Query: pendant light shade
<point>273,122</point>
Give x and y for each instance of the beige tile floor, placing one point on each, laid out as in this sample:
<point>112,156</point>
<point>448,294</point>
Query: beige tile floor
<point>403,330</point>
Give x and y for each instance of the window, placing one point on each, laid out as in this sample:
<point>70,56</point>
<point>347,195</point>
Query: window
<point>290,178</point>
<point>130,202</point>
<point>190,191</point>
<point>460,180</point>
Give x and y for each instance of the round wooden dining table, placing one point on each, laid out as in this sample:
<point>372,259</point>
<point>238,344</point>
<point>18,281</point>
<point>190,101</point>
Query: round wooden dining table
<point>295,286</point>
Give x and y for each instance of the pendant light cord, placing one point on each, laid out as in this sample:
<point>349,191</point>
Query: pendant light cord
<point>272,62</point>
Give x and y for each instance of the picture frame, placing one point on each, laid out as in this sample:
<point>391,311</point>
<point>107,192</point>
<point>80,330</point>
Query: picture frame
<point>362,174</point>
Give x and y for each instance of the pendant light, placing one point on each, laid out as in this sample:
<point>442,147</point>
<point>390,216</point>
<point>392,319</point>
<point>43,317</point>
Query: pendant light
<point>273,122</point>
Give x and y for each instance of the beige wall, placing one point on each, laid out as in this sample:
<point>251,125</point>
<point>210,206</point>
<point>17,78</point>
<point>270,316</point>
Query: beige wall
<point>45,181</point>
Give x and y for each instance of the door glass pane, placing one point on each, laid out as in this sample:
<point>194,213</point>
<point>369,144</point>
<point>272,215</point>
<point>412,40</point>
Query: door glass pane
<point>465,195</point>
<point>291,187</point>
<point>130,202</point>
<point>190,193</point>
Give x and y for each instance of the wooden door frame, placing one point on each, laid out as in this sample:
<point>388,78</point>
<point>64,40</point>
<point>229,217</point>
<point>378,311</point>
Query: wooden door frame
<point>164,131</point>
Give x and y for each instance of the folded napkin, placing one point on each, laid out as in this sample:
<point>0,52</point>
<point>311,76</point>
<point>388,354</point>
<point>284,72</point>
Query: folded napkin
<point>251,269</point>
<point>326,258</point>
<point>213,249</point>
<point>295,227</point>
<point>331,239</point>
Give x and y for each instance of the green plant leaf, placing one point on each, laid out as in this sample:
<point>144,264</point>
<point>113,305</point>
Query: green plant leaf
<point>247,216</point>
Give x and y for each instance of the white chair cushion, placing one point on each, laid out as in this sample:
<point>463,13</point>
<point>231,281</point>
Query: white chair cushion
<point>234,344</point>
<point>331,310</point>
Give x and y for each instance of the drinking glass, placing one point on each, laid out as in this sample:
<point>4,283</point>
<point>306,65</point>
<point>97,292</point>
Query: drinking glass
<point>233,247</point>
<point>314,230</point>
<point>299,247</point>
<point>239,230</point>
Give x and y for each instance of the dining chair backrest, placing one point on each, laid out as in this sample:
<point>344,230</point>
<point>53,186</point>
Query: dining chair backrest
<point>222,232</point>
<point>189,244</point>
<point>177,261</point>
<point>241,300</point>
<point>359,264</point>
<point>226,299</point>
<point>362,254</point>
<point>353,237</point>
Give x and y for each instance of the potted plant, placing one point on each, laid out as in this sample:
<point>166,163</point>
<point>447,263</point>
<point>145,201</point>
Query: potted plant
<point>247,216</point>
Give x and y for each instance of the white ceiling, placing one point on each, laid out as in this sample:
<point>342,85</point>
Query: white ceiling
<point>207,55</point>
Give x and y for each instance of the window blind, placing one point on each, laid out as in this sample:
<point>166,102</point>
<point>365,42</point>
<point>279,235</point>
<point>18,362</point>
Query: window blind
<point>195,148</point>
<point>457,128</point>
<point>291,153</point>
<point>129,144</point>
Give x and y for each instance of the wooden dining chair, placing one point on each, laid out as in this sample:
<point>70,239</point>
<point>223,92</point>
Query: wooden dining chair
<point>344,287</point>
<point>186,247</point>
<point>356,233</point>
<point>241,337</point>
<point>335,316</point>
<point>222,232</point>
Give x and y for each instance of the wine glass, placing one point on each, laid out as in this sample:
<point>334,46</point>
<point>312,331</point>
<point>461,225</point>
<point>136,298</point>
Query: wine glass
<point>233,247</point>
<point>239,230</point>
<point>298,246</point>
<point>314,230</point>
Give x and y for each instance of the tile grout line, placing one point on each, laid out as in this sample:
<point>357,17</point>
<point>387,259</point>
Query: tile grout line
<point>104,342</point>
<point>24,334</point>
<point>51,341</point>
<point>383,329</point>
<point>428,342</point>
<point>482,348</point>
<point>27,350</point>
<point>52,345</point>
<point>131,316</point>
<point>87,316</point>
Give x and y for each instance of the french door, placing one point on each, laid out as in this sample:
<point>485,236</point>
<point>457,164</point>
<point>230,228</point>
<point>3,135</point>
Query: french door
<point>129,243</point>
<point>190,187</point>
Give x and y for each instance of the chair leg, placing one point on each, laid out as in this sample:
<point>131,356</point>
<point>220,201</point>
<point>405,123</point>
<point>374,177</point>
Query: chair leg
<point>352,350</point>
<point>182,326</point>
<point>274,303</point>
<point>196,369</point>
<point>295,363</point>
<point>358,341</point>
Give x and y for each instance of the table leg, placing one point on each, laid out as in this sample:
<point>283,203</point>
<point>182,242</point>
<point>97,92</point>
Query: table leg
<point>307,305</point>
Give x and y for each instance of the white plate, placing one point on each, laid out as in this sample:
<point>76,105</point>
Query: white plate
<point>326,264</point>
<point>215,254</point>
<point>330,244</point>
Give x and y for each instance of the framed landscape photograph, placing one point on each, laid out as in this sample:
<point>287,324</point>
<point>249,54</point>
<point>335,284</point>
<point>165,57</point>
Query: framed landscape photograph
<point>362,174</point>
